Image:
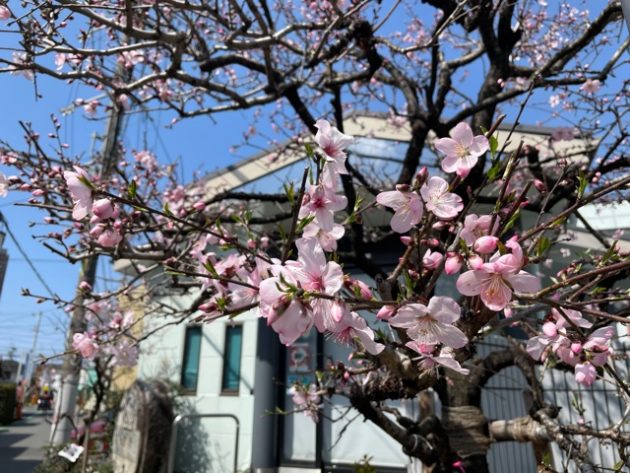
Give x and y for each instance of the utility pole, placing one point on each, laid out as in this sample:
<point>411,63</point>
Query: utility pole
<point>30,356</point>
<point>65,405</point>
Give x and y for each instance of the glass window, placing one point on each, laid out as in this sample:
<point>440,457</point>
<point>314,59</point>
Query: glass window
<point>192,350</point>
<point>232,358</point>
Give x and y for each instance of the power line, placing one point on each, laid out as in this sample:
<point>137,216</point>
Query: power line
<point>26,257</point>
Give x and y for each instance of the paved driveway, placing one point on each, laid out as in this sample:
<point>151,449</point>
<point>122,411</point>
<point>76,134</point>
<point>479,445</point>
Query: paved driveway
<point>22,443</point>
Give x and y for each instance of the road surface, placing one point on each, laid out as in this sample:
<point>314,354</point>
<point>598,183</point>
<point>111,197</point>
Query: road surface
<point>22,443</point>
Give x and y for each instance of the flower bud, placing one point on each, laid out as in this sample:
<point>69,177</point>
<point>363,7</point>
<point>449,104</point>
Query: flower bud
<point>406,240</point>
<point>475,262</point>
<point>402,187</point>
<point>386,312</point>
<point>540,186</point>
<point>486,244</point>
<point>453,263</point>
<point>103,209</point>
<point>550,329</point>
<point>422,175</point>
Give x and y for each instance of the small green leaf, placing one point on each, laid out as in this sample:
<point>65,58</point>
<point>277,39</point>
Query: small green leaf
<point>166,209</point>
<point>494,146</point>
<point>511,222</point>
<point>582,183</point>
<point>542,245</point>
<point>309,151</point>
<point>494,171</point>
<point>132,190</point>
<point>210,268</point>
<point>84,180</point>
<point>618,466</point>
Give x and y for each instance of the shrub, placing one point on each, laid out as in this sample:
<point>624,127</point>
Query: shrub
<point>7,403</point>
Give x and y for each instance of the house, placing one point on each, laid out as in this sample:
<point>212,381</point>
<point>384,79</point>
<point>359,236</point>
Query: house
<point>239,373</point>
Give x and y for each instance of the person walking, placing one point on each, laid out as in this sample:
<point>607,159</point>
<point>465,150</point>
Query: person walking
<point>19,399</point>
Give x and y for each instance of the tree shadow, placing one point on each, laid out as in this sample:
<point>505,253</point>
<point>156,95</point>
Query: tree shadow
<point>197,451</point>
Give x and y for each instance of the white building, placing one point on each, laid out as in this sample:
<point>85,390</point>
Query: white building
<point>215,364</point>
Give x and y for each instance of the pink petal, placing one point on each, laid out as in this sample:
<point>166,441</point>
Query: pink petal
<point>470,283</point>
<point>462,134</point>
<point>444,309</point>
<point>450,335</point>
<point>495,294</point>
<point>446,146</point>
<point>524,282</point>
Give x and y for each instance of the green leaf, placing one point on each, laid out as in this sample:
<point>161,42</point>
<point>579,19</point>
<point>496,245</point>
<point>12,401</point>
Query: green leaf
<point>289,191</point>
<point>210,268</point>
<point>132,190</point>
<point>511,222</point>
<point>494,171</point>
<point>84,180</point>
<point>304,222</point>
<point>582,183</point>
<point>309,151</point>
<point>618,466</point>
<point>166,209</point>
<point>542,245</point>
<point>494,146</point>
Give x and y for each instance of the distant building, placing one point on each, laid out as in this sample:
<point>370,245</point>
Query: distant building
<point>218,366</point>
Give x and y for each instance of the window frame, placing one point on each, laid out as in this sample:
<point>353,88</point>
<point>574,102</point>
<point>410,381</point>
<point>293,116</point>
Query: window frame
<point>227,391</point>
<point>187,391</point>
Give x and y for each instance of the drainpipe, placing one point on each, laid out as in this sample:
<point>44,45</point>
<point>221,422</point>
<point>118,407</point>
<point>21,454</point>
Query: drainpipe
<point>266,379</point>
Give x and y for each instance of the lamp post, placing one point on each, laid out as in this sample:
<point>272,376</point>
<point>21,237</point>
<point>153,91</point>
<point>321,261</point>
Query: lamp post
<point>4,260</point>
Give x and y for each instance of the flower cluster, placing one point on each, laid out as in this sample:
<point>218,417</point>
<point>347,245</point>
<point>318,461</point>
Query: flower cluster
<point>563,335</point>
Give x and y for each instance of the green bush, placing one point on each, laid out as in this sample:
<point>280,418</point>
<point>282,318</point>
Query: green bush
<point>7,403</point>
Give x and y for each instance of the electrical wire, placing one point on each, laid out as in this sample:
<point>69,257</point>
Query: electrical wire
<point>26,257</point>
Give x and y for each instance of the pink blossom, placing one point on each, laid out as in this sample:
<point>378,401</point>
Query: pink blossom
<point>439,200</point>
<point>327,240</point>
<point>585,373</point>
<point>285,313</point>
<point>103,209</point>
<point>432,259</point>
<point>433,356</point>
<point>81,194</point>
<point>407,207</point>
<point>85,344</point>
<point>485,244</point>
<point>453,263</point>
<point>591,86</point>
<point>322,203</point>
<point>109,238</point>
<point>353,326</point>
<point>333,143</point>
<point>5,13</point>
<point>476,227</point>
<point>496,280</point>
<point>461,150</point>
<point>386,312</point>
<point>432,324</point>
<point>306,400</point>
<point>315,274</point>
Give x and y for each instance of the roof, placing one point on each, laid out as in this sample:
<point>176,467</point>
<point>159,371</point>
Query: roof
<point>366,125</point>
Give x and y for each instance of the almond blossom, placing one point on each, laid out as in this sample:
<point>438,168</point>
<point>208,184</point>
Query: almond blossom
<point>322,203</point>
<point>327,239</point>
<point>433,323</point>
<point>79,191</point>
<point>353,326</point>
<point>433,356</point>
<point>285,312</point>
<point>408,209</point>
<point>333,143</point>
<point>306,400</point>
<point>461,150</point>
<point>438,200</point>
<point>495,281</point>
<point>475,227</point>
<point>85,344</point>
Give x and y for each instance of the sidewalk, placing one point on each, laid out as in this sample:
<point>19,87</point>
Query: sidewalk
<point>22,443</point>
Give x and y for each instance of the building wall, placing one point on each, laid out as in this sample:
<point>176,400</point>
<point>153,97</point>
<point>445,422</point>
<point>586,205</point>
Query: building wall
<point>206,444</point>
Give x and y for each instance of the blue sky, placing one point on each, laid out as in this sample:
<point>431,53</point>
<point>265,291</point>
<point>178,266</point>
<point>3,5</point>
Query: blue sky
<point>199,144</point>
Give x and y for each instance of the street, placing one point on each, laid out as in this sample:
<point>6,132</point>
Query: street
<point>22,443</point>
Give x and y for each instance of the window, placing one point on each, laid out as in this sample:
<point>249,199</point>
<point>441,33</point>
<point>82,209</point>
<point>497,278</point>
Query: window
<point>232,359</point>
<point>190,365</point>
